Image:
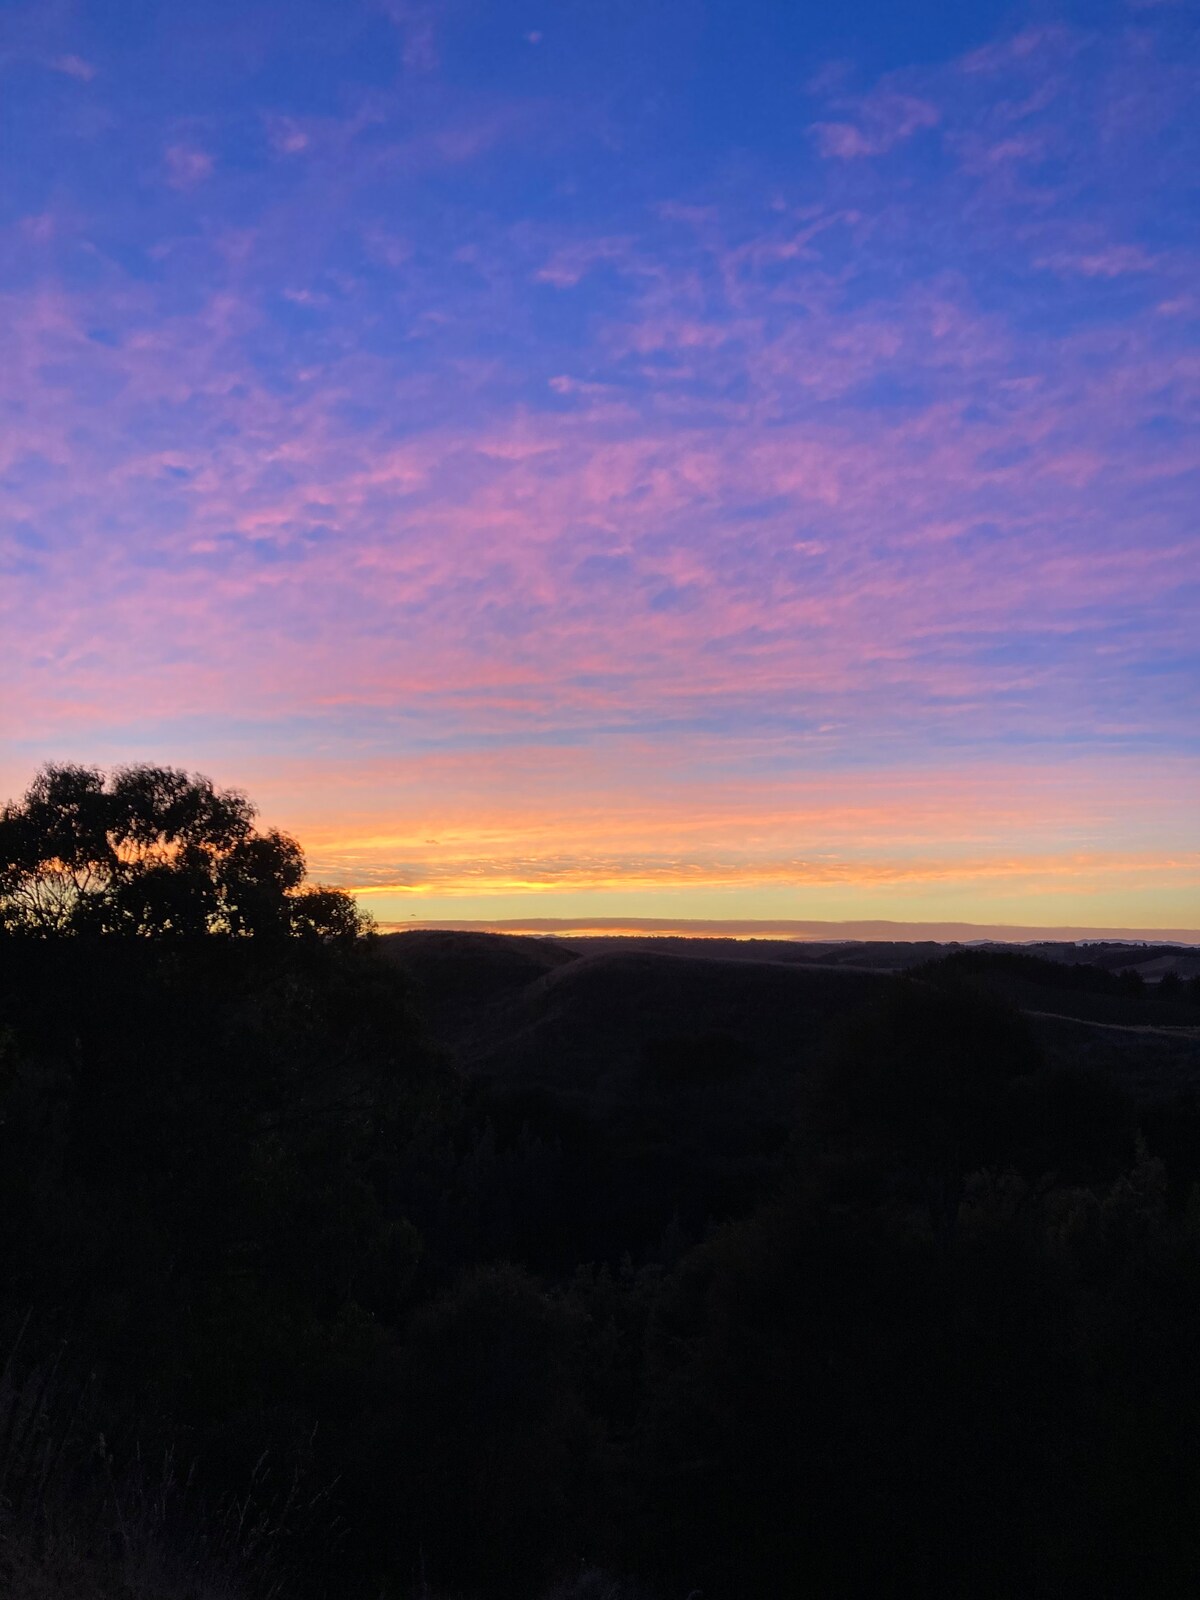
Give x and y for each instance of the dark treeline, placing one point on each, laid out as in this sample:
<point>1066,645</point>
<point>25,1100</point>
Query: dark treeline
<point>289,1292</point>
<point>1075,977</point>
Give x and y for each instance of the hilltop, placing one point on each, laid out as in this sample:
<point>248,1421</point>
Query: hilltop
<point>587,1013</point>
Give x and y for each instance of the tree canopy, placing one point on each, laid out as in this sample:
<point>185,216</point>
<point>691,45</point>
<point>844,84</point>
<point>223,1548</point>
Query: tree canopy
<point>154,851</point>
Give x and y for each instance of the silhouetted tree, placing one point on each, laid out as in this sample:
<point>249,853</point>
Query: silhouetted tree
<point>154,850</point>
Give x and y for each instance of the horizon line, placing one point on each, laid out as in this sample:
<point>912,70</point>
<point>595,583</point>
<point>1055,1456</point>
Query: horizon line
<point>800,930</point>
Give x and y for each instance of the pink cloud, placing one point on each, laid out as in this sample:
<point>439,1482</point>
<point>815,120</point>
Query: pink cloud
<point>984,155</point>
<point>1111,261</point>
<point>186,165</point>
<point>884,119</point>
<point>286,136</point>
<point>416,24</point>
<point>41,227</point>
<point>570,265</point>
<point>75,67</point>
<point>390,249</point>
<point>1040,42</point>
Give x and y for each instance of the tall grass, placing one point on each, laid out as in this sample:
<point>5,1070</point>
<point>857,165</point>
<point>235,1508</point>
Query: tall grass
<point>84,1517</point>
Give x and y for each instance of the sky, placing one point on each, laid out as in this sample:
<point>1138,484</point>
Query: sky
<point>619,458</point>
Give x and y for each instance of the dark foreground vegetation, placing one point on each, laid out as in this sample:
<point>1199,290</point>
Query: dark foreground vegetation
<point>450,1265</point>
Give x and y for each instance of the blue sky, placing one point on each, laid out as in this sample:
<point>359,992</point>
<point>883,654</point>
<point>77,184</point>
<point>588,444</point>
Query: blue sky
<point>735,459</point>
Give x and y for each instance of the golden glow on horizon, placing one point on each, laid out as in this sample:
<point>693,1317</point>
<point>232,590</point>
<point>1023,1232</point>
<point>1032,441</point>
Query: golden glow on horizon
<point>495,878</point>
<point>635,833</point>
<point>536,832</point>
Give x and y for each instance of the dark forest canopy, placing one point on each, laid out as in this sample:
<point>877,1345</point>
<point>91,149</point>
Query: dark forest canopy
<point>154,851</point>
